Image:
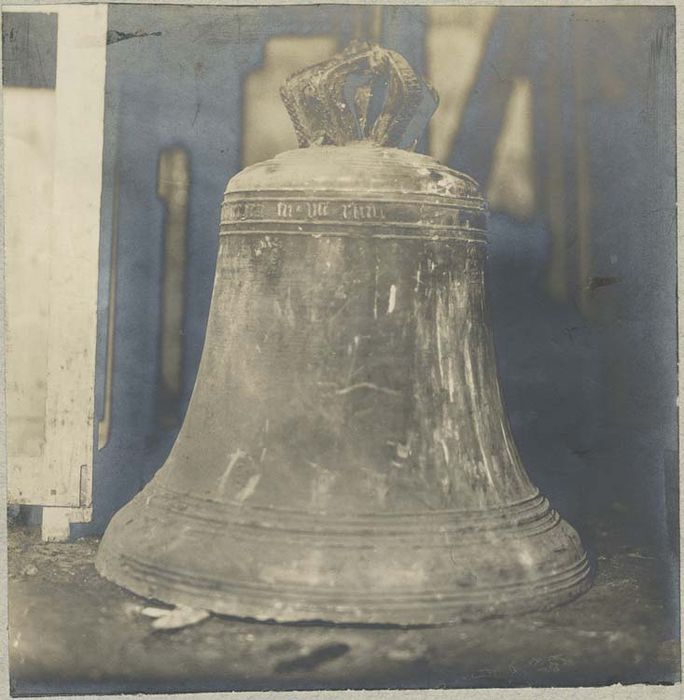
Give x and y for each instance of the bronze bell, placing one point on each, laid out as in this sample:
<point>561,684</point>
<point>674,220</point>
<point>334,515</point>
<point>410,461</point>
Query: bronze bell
<point>346,455</point>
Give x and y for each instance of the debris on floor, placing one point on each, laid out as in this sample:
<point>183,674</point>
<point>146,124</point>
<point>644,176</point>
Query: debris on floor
<point>175,618</point>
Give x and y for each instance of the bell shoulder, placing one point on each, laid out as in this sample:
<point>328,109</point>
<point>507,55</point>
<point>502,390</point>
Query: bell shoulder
<point>362,168</point>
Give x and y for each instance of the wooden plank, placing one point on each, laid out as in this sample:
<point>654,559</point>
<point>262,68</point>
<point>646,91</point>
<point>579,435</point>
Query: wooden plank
<point>29,149</point>
<point>53,151</point>
<point>74,253</point>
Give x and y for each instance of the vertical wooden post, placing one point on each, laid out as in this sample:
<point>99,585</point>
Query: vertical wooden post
<point>59,475</point>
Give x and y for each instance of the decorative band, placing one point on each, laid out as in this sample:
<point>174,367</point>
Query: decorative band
<point>299,214</point>
<point>529,517</point>
<point>374,232</point>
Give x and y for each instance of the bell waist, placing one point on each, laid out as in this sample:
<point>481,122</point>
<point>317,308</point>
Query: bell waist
<point>398,216</point>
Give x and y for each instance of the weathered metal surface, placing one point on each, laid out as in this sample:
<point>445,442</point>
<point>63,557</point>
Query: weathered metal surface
<point>346,455</point>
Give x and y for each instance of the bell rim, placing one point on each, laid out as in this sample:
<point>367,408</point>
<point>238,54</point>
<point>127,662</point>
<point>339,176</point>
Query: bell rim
<point>437,609</point>
<point>462,587</point>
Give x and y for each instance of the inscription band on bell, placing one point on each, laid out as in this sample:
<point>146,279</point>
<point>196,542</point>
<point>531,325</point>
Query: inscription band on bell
<point>450,220</point>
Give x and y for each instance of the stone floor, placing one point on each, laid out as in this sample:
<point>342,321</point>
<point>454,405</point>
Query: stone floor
<point>73,632</point>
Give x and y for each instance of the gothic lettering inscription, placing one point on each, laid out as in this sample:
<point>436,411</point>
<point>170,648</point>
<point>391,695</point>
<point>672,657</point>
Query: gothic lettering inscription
<point>298,210</point>
<point>244,210</point>
<point>362,212</point>
<point>346,211</point>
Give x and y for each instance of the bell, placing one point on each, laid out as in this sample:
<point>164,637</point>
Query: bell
<point>346,455</point>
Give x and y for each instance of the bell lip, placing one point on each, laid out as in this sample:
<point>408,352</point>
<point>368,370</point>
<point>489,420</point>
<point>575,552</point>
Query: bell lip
<point>361,167</point>
<point>527,597</point>
<point>129,558</point>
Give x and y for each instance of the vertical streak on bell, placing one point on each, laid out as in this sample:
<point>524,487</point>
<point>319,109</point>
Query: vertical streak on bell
<point>457,395</point>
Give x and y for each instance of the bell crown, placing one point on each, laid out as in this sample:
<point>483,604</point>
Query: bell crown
<point>364,93</point>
